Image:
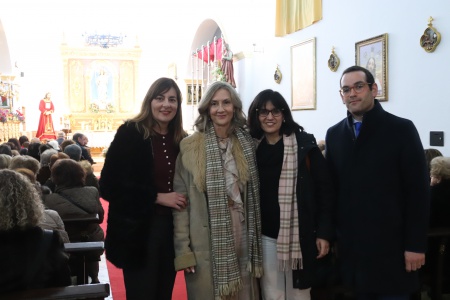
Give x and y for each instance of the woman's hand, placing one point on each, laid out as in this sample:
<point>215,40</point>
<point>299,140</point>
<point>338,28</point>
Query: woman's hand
<point>323,247</point>
<point>173,200</point>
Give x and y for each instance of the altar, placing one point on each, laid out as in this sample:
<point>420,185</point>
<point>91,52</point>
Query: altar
<point>100,87</point>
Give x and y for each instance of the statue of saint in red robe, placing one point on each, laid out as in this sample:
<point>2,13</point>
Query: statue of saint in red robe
<point>45,128</point>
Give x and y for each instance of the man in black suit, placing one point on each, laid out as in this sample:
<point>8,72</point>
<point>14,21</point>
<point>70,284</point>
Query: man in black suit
<point>383,193</point>
<point>82,140</point>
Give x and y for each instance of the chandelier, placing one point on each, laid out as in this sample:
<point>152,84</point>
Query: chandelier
<point>103,40</point>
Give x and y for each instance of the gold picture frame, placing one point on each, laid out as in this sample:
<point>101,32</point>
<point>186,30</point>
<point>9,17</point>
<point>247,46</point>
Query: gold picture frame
<point>191,91</point>
<point>303,75</point>
<point>372,54</point>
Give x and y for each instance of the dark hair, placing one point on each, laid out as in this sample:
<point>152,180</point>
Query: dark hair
<point>430,154</point>
<point>76,136</point>
<point>5,149</point>
<point>288,126</point>
<point>145,121</point>
<point>15,142</point>
<point>43,147</point>
<point>68,173</point>
<point>369,77</point>
<point>23,139</point>
<point>33,150</point>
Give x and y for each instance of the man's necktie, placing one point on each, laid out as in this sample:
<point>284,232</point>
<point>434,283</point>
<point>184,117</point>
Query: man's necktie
<point>357,128</point>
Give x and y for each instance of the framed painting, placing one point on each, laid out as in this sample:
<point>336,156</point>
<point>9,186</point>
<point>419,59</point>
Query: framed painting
<point>193,91</point>
<point>372,54</point>
<point>303,75</point>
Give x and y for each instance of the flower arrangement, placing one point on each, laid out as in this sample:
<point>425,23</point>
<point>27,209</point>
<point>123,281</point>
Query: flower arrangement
<point>109,108</point>
<point>219,74</point>
<point>7,115</point>
<point>94,107</point>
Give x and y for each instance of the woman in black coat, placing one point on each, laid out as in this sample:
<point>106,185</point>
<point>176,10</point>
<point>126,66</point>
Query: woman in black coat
<point>29,258</point>
<point>137,180</point>
<point>294,178</point>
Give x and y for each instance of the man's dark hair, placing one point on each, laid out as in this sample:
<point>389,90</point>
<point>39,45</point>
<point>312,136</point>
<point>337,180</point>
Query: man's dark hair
<point>76,136</point>
<point>369,77</point>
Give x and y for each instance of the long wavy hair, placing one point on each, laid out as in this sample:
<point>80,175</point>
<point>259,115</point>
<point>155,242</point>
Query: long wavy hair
<point>203,119</point>
<point>20,204</point>
<point>145,121</point>
<point>287,127</point>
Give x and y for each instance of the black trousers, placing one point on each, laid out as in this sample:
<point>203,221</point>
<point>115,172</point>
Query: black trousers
<point>156,277</point>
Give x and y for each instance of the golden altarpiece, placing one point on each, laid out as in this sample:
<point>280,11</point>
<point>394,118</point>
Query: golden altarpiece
<point>99,90</point>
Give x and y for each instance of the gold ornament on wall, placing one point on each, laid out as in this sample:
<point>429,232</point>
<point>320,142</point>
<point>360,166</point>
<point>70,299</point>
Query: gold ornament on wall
<point>277,76</point>
<point>430,37</point>
<point>333,61</point>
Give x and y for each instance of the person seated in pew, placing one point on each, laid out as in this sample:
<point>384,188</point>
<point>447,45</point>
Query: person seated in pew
<point>29,166</point>
<point>29,258</point>
<point>439,216</point>
<point>91,179</point>
<point>440,192</point>
<point>51,219</point>
<point>72,199</point>
<point>49,183</point>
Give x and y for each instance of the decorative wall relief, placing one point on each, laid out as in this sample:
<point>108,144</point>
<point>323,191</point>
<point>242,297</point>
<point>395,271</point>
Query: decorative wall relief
<point>430,38</point>
<point>277,76</point>
<point>333,61</point>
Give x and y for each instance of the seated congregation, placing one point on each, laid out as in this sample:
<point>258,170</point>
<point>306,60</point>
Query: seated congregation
<point>49,243</point>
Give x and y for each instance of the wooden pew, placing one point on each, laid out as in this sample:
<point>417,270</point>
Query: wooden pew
<point>88,218</point>
<point>74,292</point>
<point>80,250</point>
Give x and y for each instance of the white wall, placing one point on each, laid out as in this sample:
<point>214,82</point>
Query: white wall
<point>417,79</point>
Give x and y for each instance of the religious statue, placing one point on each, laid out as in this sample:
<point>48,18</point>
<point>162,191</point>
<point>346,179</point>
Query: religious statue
<point>45,127</point>
<point>227,65</point>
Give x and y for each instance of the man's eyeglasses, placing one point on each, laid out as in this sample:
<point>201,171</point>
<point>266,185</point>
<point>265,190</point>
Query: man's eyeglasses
<point>346,90</point>
<point>276,112</point>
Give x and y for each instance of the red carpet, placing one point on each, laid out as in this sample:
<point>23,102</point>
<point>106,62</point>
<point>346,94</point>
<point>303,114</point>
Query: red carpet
<point>116,276</point>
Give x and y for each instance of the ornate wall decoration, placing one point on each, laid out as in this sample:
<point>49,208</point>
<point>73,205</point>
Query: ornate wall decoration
<point>430,38</point>
<point>277,76</point>
<point>333,61</point>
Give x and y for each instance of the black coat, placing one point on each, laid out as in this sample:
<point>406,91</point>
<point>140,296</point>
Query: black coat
<point>383,200</point>
<point>18,252</point>
<point>127,182</point>
<point>315,201</point>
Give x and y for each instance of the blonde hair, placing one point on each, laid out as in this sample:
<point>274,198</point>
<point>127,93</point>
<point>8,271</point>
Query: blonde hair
<point>5,161</point>
<point>440,167</point>
<point>203,119</point>
<point>20,204</point>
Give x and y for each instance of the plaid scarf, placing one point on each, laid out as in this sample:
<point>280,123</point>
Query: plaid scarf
<point>226,273</point>
<point>288,242</point>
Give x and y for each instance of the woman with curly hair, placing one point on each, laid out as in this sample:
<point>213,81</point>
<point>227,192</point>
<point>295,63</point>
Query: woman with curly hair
<point>29,258</point>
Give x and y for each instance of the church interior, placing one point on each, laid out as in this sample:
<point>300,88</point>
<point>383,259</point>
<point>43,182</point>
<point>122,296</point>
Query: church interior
<point>85,65</point>
<point>50,47</point>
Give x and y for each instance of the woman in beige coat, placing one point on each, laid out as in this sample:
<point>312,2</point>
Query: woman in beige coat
<point>218,235</point>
